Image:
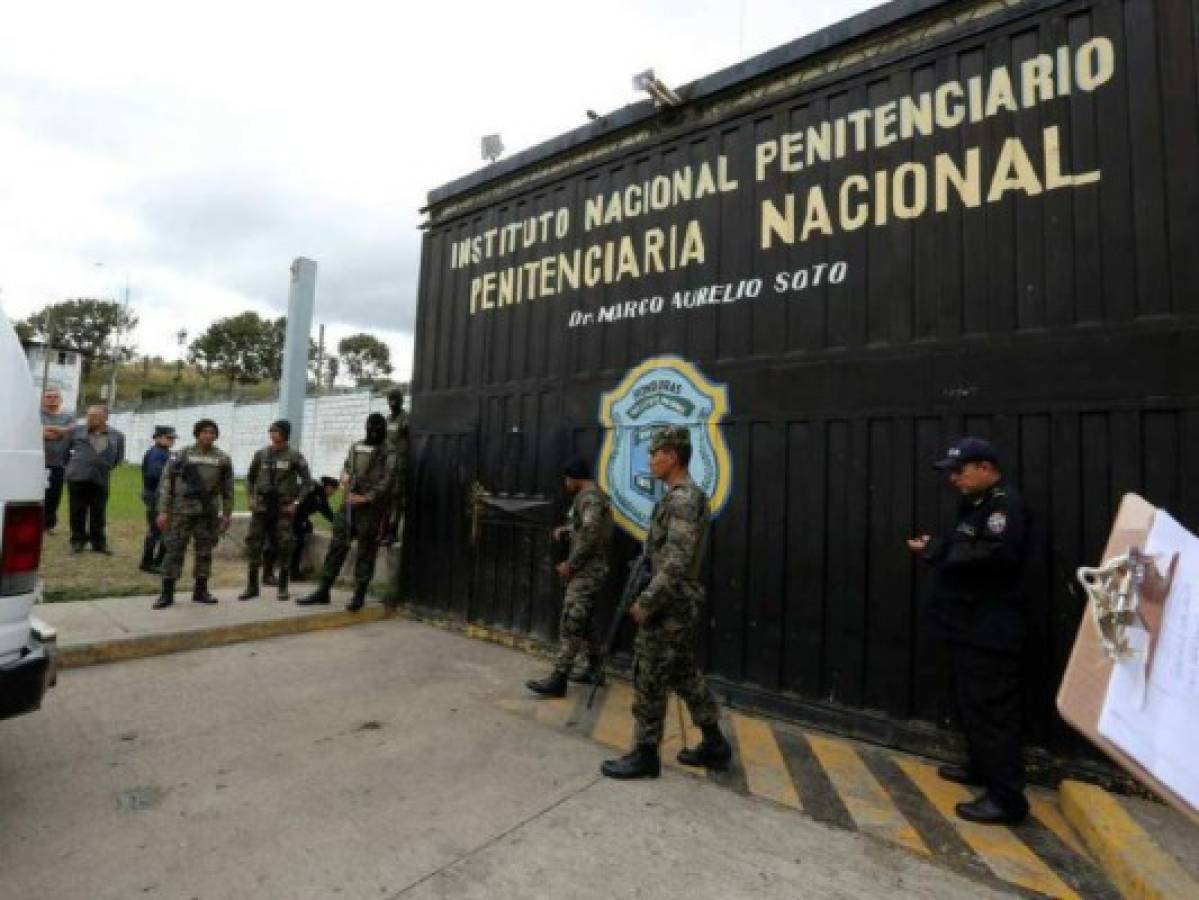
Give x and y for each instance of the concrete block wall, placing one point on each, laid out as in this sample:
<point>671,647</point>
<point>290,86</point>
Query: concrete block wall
<point>330,423</point>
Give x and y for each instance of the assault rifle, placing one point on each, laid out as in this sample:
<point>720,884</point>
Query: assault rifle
<point>270,497</point>
<point>639,576</point>
<point>194,487</point>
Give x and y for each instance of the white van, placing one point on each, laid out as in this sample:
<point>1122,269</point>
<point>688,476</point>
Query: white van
<point>27,664</point>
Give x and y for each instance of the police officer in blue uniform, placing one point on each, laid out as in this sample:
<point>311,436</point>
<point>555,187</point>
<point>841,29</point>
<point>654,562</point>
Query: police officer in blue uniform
<point>977,610</point>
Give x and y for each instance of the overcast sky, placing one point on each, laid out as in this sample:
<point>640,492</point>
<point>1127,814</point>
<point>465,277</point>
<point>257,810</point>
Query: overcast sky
<point>197,149</point>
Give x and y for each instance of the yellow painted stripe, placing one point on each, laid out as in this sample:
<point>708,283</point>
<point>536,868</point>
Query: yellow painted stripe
<point>554,710</point>
<point>614,725</point>
<point>1045,809</point>
<point>765,769</point>
<point>1004,853</point>
<point>1137,866</point>
<point>867,801</point>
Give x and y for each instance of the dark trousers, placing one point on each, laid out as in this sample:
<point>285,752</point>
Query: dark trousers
<point>53,496</point>
<point>300,529</point>
<point>88,502</point>
<point>988,685</point>
<point>152,547</point>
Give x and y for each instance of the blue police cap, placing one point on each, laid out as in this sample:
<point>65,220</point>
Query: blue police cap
<point>967,449</point>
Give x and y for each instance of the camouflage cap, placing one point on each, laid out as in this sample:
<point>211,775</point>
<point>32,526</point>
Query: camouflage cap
<point>673,436</point>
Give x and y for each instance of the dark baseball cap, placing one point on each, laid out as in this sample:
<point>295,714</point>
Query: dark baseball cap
<point>164,431</point>
<point>967,449</point>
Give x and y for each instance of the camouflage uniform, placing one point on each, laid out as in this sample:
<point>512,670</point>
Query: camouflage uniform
<point>663,653</point>
<point>193,514</point>
<point>273,482</point>
<point>590,534</point>
<point>370,470</point>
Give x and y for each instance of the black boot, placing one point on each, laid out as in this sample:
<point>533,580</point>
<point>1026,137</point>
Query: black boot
<point>960,775</point>
<point>167,597</point>
<point>713,751</point>
<point>147,563</point>
<point>643,762</point>
<point>553,685</point>
<point>359,597</point>
<point>593,674</point>
<point>281,593</point>
<point>251,590</point>
<point>986,811</point>
<point>200,592</point>
<point>320,595</point>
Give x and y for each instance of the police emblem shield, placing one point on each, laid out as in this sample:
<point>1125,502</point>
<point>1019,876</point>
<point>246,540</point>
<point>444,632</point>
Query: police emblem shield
<point>663,390</point>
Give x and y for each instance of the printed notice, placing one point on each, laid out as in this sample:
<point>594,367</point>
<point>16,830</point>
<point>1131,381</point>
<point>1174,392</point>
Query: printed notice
<point>1157,723</point>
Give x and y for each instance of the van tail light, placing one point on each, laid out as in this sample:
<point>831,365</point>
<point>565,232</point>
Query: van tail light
<point>22,545</point>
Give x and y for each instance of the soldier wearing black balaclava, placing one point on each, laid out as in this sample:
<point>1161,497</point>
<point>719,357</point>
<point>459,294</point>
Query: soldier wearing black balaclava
<point>366,481</point>
<point>397,444</point>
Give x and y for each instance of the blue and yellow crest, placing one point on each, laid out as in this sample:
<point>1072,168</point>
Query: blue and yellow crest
<point>662,390</point>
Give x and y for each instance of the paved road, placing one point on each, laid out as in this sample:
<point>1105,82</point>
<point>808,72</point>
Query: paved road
<point>374,762</point>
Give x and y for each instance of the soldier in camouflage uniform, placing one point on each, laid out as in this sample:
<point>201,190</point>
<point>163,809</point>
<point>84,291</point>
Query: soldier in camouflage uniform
<point>366,484</point>
<point>193,483</point>
<point>274,481</point>
<point>583,572</point>
<point>397,446</point>
<point>665,613</point>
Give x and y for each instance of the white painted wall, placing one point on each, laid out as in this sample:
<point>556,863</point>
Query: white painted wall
<point>330,424</point>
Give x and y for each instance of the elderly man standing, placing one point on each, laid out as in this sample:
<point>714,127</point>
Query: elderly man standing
<point>56,438</point>
<point>95,451</point>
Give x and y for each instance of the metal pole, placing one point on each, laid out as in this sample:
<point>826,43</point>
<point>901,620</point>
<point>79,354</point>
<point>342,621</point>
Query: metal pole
<point>301,299</point>
<point>46,349</point>
<point>116,353</point>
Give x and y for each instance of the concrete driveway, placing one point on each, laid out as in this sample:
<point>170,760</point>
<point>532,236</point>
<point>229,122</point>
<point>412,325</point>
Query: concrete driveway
<point>375,762</point>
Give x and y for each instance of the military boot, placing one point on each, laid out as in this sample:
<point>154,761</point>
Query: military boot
<point>593,674</point>
<point>251,590</point>
<point>200,592</point>
<point>553,685</point>
<point>281,593</point>
<point>167,597</point>
<point>713,751</point>
<point>320,595</point>
<point>359,598</point>
<point>643,762</point>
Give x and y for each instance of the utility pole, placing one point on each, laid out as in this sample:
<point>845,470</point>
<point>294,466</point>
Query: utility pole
<point>46,350</point>
<point>116,352</point>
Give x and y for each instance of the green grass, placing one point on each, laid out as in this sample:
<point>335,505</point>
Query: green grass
<point>83,576</point>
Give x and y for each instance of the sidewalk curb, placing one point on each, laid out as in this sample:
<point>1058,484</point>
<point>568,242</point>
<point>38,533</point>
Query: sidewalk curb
<point>145,645</point>
<point>1136,865</point>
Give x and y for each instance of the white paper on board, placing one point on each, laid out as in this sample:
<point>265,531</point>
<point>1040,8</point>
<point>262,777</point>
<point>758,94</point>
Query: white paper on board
<point>1162,732</point>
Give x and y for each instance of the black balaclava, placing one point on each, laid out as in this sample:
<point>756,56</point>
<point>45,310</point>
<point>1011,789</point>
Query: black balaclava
<point>395,402</point>
<point>376,429</point>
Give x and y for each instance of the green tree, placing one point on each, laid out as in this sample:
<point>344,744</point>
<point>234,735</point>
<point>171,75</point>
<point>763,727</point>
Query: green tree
<point>366,358</point>
<point>242,348</point>
<point>91,326</point>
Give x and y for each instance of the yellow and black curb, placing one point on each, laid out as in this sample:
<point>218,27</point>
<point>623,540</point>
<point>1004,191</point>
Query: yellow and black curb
<point>897,799</point>
<point>145,645</point>
<point>1128,854</point>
